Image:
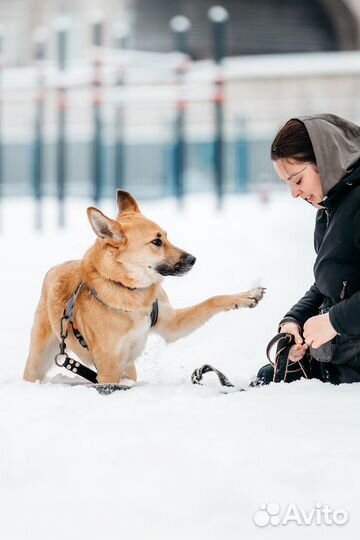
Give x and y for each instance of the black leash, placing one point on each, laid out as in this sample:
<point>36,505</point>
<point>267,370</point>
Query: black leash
<point>282,365</point>
<point>198,374</point>
<point>62,359</point>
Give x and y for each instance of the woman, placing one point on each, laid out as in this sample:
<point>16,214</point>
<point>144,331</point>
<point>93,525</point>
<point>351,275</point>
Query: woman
<point>318,157</point>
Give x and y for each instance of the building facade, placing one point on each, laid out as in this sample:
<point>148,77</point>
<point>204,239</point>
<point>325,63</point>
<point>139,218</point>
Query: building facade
<point>254,27</point>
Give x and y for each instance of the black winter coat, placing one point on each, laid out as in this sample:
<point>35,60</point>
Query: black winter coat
<point>337,265</point>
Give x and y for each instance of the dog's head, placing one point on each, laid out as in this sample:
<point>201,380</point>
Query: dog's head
<point>134,250</point>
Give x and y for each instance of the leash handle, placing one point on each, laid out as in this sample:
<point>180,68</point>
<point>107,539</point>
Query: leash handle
<point>63,360</point>
<point>75,367</point>
<point>288,341</point>
<point>284,343</point>
<point>281,362</point>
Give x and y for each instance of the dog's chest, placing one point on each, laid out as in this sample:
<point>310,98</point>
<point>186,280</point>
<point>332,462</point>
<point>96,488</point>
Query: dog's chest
<point>133,342</point>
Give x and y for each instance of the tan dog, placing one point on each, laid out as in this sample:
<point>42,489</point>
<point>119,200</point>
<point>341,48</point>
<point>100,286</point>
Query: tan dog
<point>122,274</point>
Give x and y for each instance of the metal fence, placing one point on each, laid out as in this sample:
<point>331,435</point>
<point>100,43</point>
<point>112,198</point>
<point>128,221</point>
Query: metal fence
<point>149,168</point>
<point>121,118</point>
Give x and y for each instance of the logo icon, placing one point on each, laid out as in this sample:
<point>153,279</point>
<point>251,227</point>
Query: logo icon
<point>268,513</point>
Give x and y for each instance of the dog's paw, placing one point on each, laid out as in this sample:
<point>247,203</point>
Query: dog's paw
<point>251,298</point>
<point>255,295</point>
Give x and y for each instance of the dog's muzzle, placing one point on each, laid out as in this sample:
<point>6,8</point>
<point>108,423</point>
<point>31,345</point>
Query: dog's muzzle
<point>185,263</point>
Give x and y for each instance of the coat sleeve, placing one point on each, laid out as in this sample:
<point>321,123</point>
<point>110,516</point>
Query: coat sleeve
<point>345,316</point>
<point>306,307</point>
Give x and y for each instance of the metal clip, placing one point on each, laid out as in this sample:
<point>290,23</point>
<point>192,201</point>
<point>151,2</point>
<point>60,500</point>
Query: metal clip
<point>58,362</point>
<point>63,334</point>
<point>62,344</point>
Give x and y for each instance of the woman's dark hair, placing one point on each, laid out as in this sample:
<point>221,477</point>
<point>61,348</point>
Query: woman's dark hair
<point>293,141</point>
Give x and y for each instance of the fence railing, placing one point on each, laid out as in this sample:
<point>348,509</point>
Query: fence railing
<point>147,122</point>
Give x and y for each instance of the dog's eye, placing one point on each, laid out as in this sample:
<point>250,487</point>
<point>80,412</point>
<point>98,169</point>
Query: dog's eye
<point>298,182</point>
<point>157,242</point>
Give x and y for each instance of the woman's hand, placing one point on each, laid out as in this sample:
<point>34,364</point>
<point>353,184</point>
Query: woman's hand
<point>298,350</point>
<point>318,330</point>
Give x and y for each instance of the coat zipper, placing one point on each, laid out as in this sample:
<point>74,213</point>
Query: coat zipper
<point>343,290</point>
<point>327,212</point>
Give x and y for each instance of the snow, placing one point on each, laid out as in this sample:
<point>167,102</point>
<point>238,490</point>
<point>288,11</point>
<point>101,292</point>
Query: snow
<point>168,459</point>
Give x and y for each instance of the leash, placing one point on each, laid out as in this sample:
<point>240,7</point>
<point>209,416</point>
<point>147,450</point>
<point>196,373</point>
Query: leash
<point>282,365</point>
<point>62,359</point>
<point>227,387</point>
<point>197,375</point>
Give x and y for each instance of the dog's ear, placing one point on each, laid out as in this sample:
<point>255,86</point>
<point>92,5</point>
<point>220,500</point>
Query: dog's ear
<point>105,227</point>
<point>126,202</point>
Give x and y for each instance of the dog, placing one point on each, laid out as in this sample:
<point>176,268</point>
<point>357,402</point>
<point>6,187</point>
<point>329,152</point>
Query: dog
<point>120,277</point>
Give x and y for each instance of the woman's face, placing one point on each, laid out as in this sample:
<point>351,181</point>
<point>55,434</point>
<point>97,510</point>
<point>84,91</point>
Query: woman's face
<point>302,178</point>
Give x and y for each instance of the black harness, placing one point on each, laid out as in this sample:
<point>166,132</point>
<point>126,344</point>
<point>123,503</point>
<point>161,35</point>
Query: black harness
<point>62,359</point>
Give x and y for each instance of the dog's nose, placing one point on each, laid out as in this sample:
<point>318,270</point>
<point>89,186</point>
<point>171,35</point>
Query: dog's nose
<point>190,260</point>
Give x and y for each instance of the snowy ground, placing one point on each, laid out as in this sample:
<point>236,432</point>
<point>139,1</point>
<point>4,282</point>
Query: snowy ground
<point>167,459</point>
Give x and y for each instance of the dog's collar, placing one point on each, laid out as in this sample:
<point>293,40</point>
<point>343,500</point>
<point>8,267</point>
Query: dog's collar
<point>122,285</point>
<point>94,294</point>
<point>154,310</point>
<point>69,309</point>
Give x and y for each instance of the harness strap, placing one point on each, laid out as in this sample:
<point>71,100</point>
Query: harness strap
<point>69,313</point>
<point>95,295</point>
<point>69,309</point>
<point>154,311</point>
<point>79,336</point>
<point>70,305</point>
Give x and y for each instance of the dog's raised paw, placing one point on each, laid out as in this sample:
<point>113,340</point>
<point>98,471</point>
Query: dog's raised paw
<point>248,299</point>
<point>255,295</point>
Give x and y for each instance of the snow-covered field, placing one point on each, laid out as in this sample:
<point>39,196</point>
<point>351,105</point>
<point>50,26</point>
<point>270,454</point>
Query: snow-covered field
<point>168,460</point>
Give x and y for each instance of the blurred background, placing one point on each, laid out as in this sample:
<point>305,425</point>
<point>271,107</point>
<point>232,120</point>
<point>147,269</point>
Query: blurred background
<point>162,97</point>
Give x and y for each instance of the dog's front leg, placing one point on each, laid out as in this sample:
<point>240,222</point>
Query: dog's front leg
<point>174,324</point>
<point>111,370</point>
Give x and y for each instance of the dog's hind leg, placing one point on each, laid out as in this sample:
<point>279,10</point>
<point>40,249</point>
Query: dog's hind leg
<point>42,346</point>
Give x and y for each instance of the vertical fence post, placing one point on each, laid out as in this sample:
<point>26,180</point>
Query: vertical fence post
<point>180,26</point>
<point>1,127</point>
<point>121,34</point>
<point>96,21</point>
<point>218,16</point>
<point>61,26</point>
<point>241,156</point>
<point>39,37</point>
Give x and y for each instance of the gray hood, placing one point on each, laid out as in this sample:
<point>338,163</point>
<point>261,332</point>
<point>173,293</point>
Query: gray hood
<point>336,144</point>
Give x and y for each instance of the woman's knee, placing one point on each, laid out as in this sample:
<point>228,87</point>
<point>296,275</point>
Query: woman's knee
<point>266,374</point>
